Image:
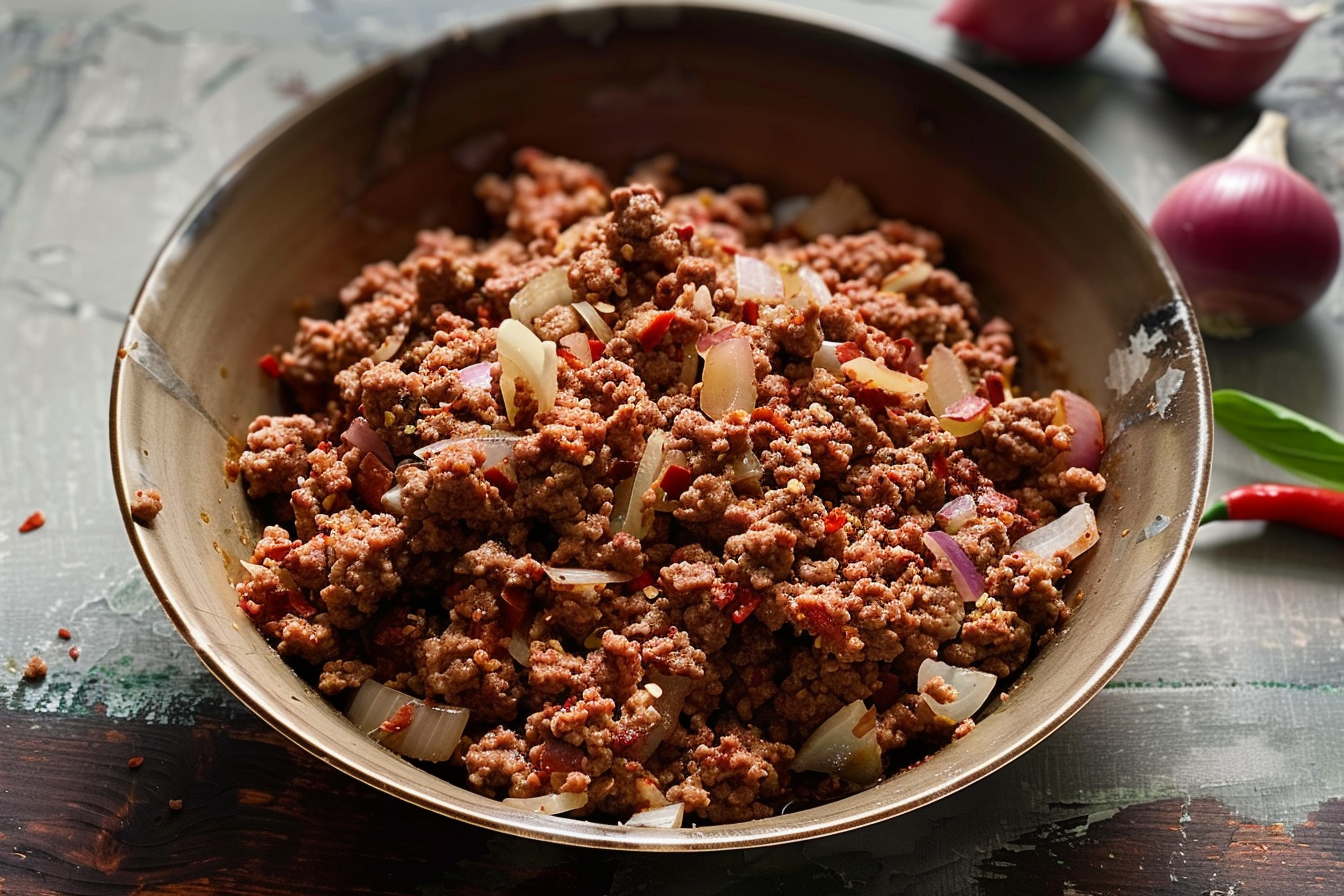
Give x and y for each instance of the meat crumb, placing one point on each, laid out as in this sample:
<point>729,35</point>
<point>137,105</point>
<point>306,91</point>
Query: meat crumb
<point>135,762</point>
<point>74,652</point>
<point>145,505</point>
<point>63,634</point>
<point>36,669</point>
<point>35,521</point>
<point>175,805</point>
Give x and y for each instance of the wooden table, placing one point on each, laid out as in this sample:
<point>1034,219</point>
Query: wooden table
<point>1212,764</point>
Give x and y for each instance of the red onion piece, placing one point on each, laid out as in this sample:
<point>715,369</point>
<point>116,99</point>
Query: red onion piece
<point>1088,438</point>
<point>967,578</point>
<point>727,331</point>
<point>361,435</point>
<point>1038,32</point>
<point>573,576</point>
<point>1255,243</point>
<point>477,376</point>
<point>966,415</point>
<point>956,513</point>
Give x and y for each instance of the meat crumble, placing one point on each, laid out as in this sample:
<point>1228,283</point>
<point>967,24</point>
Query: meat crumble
<point>756,563</point>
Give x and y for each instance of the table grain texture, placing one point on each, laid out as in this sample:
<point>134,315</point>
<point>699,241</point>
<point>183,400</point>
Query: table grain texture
<point>1212,764</point>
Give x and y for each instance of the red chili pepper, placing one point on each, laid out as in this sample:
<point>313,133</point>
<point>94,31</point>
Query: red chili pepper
<point>995,388</point>
<point>746,605</point>
<point>596,347</point>
<point>774,418</point>
<point>269,366</point>
<point>939,464</point>
<point>655,331</point>
<point>1320,509</point>
<point>835,520</point>
<point>722,594</point>
<point>685,231</point>
<point>675,481</point>
<point>751,312</point>
<point>399,720</point>
<point>846,352</point>
<point>35,521</point>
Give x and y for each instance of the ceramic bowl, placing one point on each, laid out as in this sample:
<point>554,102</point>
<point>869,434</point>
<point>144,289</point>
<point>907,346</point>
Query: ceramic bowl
<point>787,101</point>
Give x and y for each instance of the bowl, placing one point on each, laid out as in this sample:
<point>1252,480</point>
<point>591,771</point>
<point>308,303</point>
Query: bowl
<point>786,100</point>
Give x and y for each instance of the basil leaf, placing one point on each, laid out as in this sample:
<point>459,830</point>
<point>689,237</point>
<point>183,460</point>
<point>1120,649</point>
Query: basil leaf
<point>1297,443</point>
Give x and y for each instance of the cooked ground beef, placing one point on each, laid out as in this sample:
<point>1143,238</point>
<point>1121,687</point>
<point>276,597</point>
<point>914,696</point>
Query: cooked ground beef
<point>146,504</point>
<point>773,572</point>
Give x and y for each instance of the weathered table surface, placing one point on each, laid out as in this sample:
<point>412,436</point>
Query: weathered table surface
<point>1210,765</point>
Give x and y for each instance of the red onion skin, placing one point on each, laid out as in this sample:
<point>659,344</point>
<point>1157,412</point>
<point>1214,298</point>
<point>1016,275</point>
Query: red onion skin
<point>1255,243</point>
<point>1037,32</point>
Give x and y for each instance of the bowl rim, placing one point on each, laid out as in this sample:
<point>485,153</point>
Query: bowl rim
<point>779,829</point>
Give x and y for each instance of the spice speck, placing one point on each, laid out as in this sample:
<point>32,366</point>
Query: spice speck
<point>74,652</point>
<point>35,521</point>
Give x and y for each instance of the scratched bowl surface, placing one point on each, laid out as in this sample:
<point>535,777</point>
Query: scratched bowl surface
<point>784,101</point>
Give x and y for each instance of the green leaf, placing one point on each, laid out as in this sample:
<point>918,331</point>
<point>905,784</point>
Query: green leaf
<point>1297,443</point>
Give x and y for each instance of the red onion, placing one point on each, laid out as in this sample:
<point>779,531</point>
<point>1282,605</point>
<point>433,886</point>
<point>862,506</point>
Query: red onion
<point>361,435</point>
<point>1039,32</point>
<point>477,376</point>
<point>1255,243</point>
<point>714,337</point>
<point>1222,51</point>
<point>956,513</point>
<point>964,574</point>
<point>1088,438</point>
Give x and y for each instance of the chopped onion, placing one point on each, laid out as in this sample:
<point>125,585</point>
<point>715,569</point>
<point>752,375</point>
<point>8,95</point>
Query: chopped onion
<point>628,514</point>
<point>844,745</point>
<point>949,380</point>
<point>497,446</point>
<point>594,320</point>
<point>729,380</point>
<point>477,376</point>
<point>433,732</point>
<point>391,500</point>
<point>966,416</point>
<point>758,280</point>
<point>1069,535</point>
<point>967,578</point>
<point>814,285</point>
<point>839,209</point>
<point>726,330</point>
<point>522,354</point>
<point>826,360</point>
<point>668,816</point>
<point>746,467</point>
<point>868,371</point>
<point>565,575</point>
<point>703,302</point>
<point>668,699</point>
<point>908,277</point>
<point>956,513</point>
<point>520,648</point>
<point>390,346</point>
<point>690,367</point>
<point>973,688</point>
<point>540,294</point>
<point>577,345</point>
<point>550,804</point>
<point>361,435</point>
<point>1037,32</point>
<point>1088,437</point>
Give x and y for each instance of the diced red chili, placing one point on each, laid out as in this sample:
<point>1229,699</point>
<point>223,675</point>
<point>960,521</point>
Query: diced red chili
<point>270,366</point>
<point>876,399</point>
<point>552,756</point>
<point>751,312</point>
<point>298,606</point>
<point>846,352</point>
<point>135,762</point>
<point>516,600</point>
<point>746,605</point>
<point>835,520</point>
<point>655,331</point>
<point>675,481</point>
<point>35,521</point>
<point>596,347</point>
<point>568,357</point>
<point>500,480</point>
<point>399,720</point>
<point>729,248</point>
<point>722,594</point>
<point>816,619</point>
<point>939,464</point>
<point>995,388</point>
<point>684,231</point>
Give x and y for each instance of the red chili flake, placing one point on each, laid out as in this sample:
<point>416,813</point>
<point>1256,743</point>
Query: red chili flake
<point>995,388</point>
<point>63,634</point>
<point>500,480</point>
<point>723,594</point>
<point>816,619</point>
<point>596,347</point>
<point>641,581</point>
<point>74,652</point>
<point>35,521</point>
<point>621,470</point>
<point>270,366</point>
<point>299,606</point>
<point>399,720</point>
<point>685,231</point>
<point>623,738</point>
<point>751,312</point>
<point>729,248</point>
<point>655,331</point>
<point>324,445</point>
<point>135,762</point>
<point>516,601</point>
<point>746,605</point>
<point>846,352</point>
<point>876,399</point>
<point>939,463</point>
<point>774,418</point>
<point>568,357</point>
<point>569,702</point>
<point>675,481</point>
<point>835,520</point>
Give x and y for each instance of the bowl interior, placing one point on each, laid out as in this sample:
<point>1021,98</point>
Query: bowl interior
<point>744,96</point>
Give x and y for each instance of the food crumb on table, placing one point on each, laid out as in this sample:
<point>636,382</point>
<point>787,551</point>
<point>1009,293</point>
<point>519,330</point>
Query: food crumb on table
<point>175,805</point>
<point>135,762</point>
<point>74,652</point>
<point>63,634</point>
<point>146,505</point>
<point>35,520</point>
<point>36,669</point>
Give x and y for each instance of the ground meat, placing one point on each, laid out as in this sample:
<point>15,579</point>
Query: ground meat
<point>35,669</point>
<point>678,644</point>
<point>146,504</point>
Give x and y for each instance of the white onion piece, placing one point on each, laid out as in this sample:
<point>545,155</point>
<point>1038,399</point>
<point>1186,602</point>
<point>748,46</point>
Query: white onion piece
<point>690,367</point>
<point>746,466</point>
<point>835,749</point>
<point>432,735</point>
<point>286,580</point>
<point>839,209</point>
<point>814,285</point>
<point>550,804</point>
<point>566,575</point>
<point>476,376</point>
<point>361,435</point>
<point>520,648</point>
<point>391,500</point>
<point>729,380</point>
<point>758,281</point>
<point>826,360</point>
<point>628,514</point>
<point>497,446</point>
<point>577,345</point>
<point>668,816</point>
<point>522,354</point>
<point>703,302</point>
<point>967,578</point>
<point>949,380</point>
<point>868,371</point>
<point>669,695</point>
<point>1070,535</point>
<point>540,294</point>
<point>1088,437</point>
<point>909,276</point>
<point>973,688</point>
<point>390,346</point>
<point>956,513</point>
<point>601,331</point>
